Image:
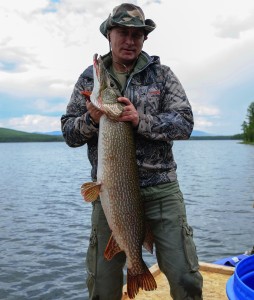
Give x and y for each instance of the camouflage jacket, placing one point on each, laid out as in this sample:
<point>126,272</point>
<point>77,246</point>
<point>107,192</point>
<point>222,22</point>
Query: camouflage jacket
<point>164,111</point>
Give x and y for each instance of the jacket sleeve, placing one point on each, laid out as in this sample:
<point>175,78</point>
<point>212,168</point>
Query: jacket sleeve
<point>175,118</point>
<point>76,126</point>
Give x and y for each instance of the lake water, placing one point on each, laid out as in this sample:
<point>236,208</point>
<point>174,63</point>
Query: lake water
<point>44,223</point>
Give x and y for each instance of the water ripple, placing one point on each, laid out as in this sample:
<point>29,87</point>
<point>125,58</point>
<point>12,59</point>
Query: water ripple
<point>45,225</point>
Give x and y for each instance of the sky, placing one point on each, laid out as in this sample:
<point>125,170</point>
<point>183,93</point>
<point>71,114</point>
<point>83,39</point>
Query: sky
<point>45,45</point>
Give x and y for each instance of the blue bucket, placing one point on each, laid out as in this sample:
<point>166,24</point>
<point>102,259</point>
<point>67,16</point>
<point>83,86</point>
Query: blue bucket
<point>240,286</point>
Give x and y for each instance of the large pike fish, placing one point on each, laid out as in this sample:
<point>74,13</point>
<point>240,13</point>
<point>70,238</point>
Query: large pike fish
<point>118,184</point>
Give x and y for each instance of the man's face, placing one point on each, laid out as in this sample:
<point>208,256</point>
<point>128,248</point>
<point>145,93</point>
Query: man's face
<point>126,43</point>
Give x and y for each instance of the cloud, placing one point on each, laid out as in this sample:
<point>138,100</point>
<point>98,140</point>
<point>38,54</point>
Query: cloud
<point>45,45</point>
<point>234,26</point>
<point>30,86</point>
<point>15,59</point>
<point>35,123</point>
<point>205,110</point>
<point>203,124</point>
<point>49,106</point>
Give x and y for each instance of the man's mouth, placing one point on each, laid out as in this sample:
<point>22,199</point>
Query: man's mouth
<point>129,50</point>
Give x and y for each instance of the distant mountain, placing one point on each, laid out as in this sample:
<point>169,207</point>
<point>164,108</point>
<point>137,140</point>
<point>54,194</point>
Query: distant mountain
<point>200,133</point>
<point>15,136</point>
<point>194,133</point>
<point>53,133</point>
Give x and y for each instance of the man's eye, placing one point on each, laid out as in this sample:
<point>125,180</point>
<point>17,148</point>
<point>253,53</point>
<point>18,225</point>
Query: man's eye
<point>137,36</point>
<point>122,32</point>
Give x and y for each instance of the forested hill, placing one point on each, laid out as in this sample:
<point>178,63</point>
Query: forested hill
<point>15,136</point>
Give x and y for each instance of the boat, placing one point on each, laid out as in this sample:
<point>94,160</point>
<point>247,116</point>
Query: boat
<point>215,279</point>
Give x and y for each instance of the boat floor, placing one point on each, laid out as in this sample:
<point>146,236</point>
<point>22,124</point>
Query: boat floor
<point>214,288</point>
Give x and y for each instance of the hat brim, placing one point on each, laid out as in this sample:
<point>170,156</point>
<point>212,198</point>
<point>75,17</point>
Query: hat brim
<point>148,27</point>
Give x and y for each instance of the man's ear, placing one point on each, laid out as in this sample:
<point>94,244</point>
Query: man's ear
<point>145,37</point>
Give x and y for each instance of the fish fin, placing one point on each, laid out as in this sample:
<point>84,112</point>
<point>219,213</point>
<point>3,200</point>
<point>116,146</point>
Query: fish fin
<point>90,191</point>
<point>145,281</point>
<point>87,94</point>
<point>112,248</point>
<point>149,240</point>
<point>96,102</point>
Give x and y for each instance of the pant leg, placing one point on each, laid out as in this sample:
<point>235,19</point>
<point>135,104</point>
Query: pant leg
<point>104,278</point>
<point>175,249</point>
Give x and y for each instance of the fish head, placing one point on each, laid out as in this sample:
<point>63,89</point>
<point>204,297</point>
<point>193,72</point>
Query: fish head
<point>104,96</point>
<point>108,95</point>
<point>111,107</point>
<point>95,95</point>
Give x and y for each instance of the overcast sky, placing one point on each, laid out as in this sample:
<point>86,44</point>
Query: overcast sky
<point>45,45</point>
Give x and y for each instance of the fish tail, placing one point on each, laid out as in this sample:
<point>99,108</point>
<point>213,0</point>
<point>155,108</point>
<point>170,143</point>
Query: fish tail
<point>145,281</point>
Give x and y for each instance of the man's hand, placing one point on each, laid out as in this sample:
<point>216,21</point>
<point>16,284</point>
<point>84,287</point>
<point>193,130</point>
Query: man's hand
<point>94,112</point>
<point>129,113</point>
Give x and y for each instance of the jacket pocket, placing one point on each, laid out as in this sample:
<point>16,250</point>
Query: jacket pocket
<point>189,247</point>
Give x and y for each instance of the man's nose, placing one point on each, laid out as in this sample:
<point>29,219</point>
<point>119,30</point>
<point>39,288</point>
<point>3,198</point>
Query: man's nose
<point>129,39</point>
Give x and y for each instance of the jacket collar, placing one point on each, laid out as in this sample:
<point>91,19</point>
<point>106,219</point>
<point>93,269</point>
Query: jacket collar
<point>143,60</point>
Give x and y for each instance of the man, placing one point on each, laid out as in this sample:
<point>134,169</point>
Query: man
<point>157,107</point>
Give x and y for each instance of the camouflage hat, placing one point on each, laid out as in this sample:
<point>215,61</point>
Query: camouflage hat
<point>128,15</point>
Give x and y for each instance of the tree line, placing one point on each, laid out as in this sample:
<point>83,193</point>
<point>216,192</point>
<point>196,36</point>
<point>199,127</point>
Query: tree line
<point>248,125</point>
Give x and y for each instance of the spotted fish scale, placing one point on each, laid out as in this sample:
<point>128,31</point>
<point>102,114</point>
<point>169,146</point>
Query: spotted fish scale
<point>118,185</point>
